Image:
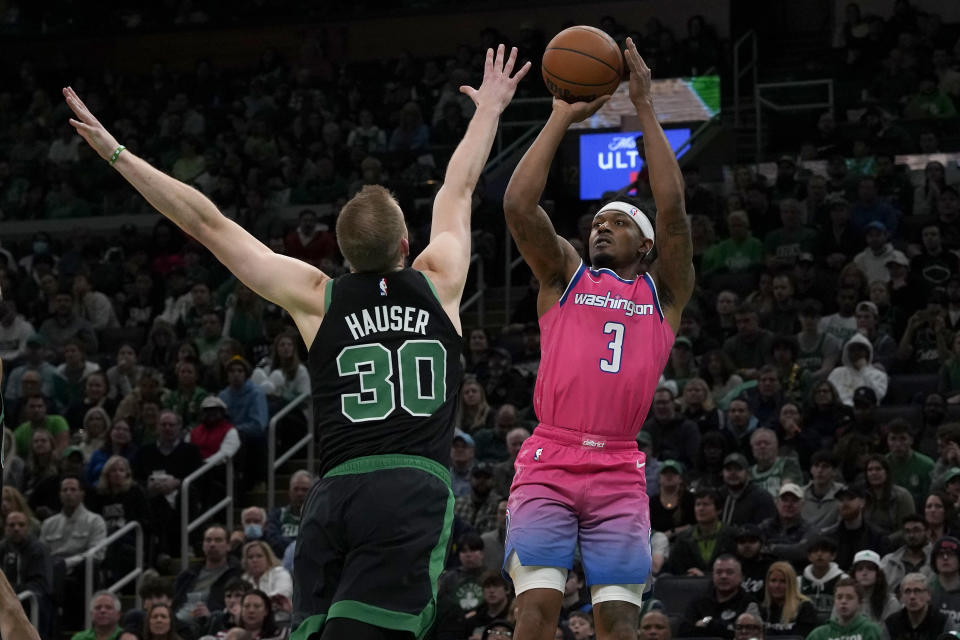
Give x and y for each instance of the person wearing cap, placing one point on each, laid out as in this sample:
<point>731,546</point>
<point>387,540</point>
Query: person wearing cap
<point>879,601</point>
<point>913,556</point>
<point>741,253</point>
<point>674,436</point>
<point>743,501</point>
<point>462,462</point>
<point>853,532</point>
<point>873,259</point>
<point>945,589</point>
<point>682,365</point>
<point>821,574</point>
<point>821,508</point>
<point>671,507</point>
<point>847,621</point>
<point>858,371</point>
<point>917,620</point>
<point>783,245</point>
<point>694,550</point>
<point>786,533</point>
<point>754,561</point>
<point>479,507</point>
<point>884,346</point>
<point>214,434</point>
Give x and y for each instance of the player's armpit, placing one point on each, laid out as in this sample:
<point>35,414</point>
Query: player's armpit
<point>551,258</point>
<point>287,282</point>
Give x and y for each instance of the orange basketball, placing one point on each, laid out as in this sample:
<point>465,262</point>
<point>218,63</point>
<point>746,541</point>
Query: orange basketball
<point>581,64</point>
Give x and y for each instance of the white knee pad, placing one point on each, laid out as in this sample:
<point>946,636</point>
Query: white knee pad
<point>632,593</point>
<point>526,578</point>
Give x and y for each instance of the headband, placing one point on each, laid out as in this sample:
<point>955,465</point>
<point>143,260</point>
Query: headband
<point>638,216</point>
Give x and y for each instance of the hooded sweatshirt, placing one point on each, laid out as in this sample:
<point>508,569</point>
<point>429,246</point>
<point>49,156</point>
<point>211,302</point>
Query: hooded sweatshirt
<point>847,379</point>
<point>820,590</point>
<point>857,629</point>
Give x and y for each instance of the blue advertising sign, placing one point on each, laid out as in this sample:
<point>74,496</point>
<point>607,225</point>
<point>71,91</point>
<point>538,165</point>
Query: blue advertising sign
<point>609,161</point>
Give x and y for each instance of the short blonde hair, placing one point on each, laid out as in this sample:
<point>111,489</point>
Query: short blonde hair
<point>103,483</point>
<point>272,560</point>
<point>369,229</point>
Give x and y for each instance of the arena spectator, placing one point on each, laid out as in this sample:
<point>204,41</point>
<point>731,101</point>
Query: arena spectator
<point>25,562</point>
<point>674,437</point>
<point>105,612</point>
<point>821,507</point>
<point>494,540</point>
<point>118,441</point>
<point>819,578</point>
<point>945,589</point>
<point>887,503</point>
<point>744,501</point>
<point>784,610</point>
<point>749,348</point>
<point>671,509</point>
<point>253,521</point>
<point>66,325</point>
<point>460,590</point>
<point>694,550</point>
<point>38,419</point>
<point>714,613</point>
<point>15,330</point>
<point>185,399</point>
<point>847,620</point>
<point>214,433</point>
<point>200,590</point>
<point>479,507</point>
<point>917,619</point>
<point>842,325</point>
<point>263,570</point>
<point>503,471</point>
<point>283,523</point>
<point>771,470</point>
<point>754,560</point>
<point>786,533</point>
<point>655,625</point>
<point>34,362</point>
<point>858,371</point>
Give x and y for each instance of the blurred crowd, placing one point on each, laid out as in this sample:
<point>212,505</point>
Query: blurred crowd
<point>803,446</point>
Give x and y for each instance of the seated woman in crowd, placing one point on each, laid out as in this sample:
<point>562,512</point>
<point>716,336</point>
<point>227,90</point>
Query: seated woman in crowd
<point>697,404</point>
<point>718,372</point>
<point>263,570</point>
<point>785,610</point>
<point>93,431</point>
<point>42,476</point>
<point>13,500</point>
<point>887,503</point>
<point>118,442</point>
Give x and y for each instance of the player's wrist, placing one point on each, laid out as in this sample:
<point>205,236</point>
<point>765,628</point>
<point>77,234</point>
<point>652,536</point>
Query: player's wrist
<point>643,105</point>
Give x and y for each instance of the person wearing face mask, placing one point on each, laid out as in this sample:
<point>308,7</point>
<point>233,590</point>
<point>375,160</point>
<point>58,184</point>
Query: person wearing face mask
<point>40,246</point>
<point>254,521</point>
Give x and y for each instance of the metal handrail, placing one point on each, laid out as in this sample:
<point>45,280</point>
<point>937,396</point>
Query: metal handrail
<point>506,152</point>
<point>760,102</point>
<point>751,37</point>
<point>306,441</point>
<point>88,558</point>
<point>186,526</point>
<point>479,297</point>
<point>34,607</point>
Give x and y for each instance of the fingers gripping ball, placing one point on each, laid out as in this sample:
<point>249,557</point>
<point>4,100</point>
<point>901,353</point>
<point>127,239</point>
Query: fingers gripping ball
<point>581,64</point>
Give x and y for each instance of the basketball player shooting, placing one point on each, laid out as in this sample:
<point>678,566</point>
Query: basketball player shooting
<point>384,357</point>
<point>606,333</point>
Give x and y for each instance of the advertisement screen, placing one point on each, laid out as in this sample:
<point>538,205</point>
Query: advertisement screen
<point>609,161</point>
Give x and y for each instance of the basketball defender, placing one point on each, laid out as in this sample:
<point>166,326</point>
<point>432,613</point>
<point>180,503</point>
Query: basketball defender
<point>606,334</point>
<point>384,359</point>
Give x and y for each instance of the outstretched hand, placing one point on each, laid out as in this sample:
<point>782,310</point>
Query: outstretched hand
<point>639,74</point>
<point>88,126</point>
<point>497,87</point>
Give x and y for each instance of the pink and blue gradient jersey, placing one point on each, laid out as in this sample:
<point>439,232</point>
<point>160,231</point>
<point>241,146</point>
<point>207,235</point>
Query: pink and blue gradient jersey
<point>603,348</point>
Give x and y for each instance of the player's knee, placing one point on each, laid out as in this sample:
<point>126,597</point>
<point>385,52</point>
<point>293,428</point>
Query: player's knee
<point>537,610</point>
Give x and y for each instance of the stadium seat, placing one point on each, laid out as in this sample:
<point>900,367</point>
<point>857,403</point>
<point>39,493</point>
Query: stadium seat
<point>677,592</point>
<point>903,387</point>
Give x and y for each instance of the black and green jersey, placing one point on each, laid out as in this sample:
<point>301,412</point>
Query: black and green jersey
<point>385,369</point>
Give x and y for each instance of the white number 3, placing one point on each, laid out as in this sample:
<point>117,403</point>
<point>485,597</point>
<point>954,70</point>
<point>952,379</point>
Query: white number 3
<point>616,346</point>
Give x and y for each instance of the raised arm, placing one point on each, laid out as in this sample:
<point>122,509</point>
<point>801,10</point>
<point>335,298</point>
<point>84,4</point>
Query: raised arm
<point>290,283</point>
<point>551,258</point>
<point>447,258</point>
<point>673,269</point>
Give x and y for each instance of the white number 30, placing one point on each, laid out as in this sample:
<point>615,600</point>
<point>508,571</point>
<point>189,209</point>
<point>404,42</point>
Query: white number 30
<point>616,346</point>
